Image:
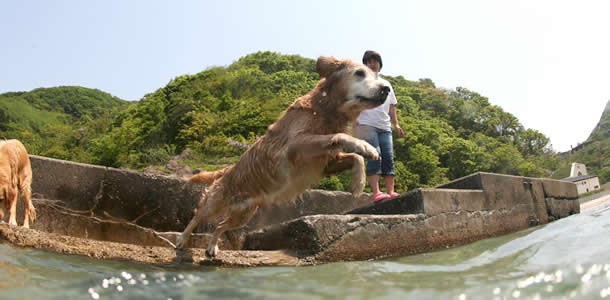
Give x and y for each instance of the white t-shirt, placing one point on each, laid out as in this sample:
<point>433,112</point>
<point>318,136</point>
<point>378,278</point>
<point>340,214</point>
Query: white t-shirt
<point>379,116</point>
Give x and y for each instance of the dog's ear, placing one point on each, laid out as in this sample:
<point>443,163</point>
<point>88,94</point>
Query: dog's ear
<point>326,65</point>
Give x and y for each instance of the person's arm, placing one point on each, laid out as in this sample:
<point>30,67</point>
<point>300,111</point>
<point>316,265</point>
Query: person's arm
<point>394,121</point>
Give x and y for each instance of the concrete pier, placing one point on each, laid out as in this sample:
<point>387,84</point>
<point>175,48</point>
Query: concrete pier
<point>87,205</point>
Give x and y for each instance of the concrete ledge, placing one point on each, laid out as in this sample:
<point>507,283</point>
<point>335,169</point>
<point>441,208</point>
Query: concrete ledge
<point>162,203</point>
<point>119,205</point>
<point>77,185</point>
<point>561,208</point>
<point>312,202</point>
<point>559,189</point>
<point>355,237</point>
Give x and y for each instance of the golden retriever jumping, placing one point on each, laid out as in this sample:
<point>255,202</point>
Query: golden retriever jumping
<point>15,175</point>
<point>298,150</point>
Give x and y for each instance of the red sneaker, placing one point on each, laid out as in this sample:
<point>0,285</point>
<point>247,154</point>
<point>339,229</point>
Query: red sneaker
<point>380,196</point>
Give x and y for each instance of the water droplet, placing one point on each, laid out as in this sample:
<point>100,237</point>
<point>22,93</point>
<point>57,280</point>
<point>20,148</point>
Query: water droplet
<point>516,294</point>
<point>93,294</point>
<point>126,275</point>
<point>525,283</point>
<point>119,288</point>
<point>539,277</point>
<point>497,291</point>
<point>595,269</point>
<point>462,297</point>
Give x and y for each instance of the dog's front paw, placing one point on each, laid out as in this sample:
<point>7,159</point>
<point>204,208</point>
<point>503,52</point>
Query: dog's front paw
<point>365,149</point>
<point>212,251</point>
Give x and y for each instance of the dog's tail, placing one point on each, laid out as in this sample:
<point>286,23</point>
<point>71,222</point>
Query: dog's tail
<point>207,177</point>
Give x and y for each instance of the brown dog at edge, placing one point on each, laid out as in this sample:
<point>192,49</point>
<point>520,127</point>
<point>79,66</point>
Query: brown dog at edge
<point>298,150</point>
<point>15,176</point>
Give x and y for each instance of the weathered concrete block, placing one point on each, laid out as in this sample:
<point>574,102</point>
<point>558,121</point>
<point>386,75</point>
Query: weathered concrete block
<point>60,220</point>
<point>350,237</point>
<point>559,189</point>
<point>77,185</point>
<point>439,201</point>
<point>561,208</point>
<point>312,202</point>
<point>502,191</point>
<point>539,205</point>
<point>159,202</point>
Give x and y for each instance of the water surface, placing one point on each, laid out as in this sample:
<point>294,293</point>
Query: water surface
<point>566,259</point>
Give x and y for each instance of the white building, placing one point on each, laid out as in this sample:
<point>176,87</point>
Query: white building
<point>584,183</point>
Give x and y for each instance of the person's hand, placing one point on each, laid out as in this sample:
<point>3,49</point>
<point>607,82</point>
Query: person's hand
<point>399,130</point>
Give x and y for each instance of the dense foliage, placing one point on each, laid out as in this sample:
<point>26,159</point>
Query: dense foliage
<point>220,111</point>
<point>58,122</point>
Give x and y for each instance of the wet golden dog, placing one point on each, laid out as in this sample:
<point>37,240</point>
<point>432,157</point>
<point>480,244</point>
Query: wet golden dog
<point>15,176</point>
<point>299,149</point>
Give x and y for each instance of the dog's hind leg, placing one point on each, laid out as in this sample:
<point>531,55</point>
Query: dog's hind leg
<point>11,197</point>
<point>25,189</point>
<point>238,217</point>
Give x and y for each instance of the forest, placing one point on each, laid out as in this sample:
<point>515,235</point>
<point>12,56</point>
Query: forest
<point>218,112</point>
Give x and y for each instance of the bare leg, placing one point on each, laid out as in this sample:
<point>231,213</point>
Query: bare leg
<point>374,183</point>
<point>389,183</point>
<point>237,219</point>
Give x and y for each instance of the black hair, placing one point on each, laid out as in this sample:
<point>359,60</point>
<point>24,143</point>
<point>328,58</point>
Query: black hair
<point>370,54</point>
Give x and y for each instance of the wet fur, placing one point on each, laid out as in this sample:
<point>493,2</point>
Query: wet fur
<point>299,149</point>
<point>15,176</point>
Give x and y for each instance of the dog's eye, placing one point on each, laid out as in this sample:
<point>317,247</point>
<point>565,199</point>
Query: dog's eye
<point>360,73</point>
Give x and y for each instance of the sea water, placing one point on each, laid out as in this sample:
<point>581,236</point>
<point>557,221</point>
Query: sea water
<point>565,259</point>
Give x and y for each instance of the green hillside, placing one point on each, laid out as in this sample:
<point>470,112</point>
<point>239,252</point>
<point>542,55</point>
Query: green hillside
<point>220,111</point>
<point>48,120</point>
<point>449,133</point>
<point>594,152</point>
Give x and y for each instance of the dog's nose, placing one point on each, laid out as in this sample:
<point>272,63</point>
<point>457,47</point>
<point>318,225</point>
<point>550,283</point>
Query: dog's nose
<point>385,90</point>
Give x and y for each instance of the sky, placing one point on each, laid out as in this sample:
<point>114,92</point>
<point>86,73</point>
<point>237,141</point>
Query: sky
<point>545,62</point>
